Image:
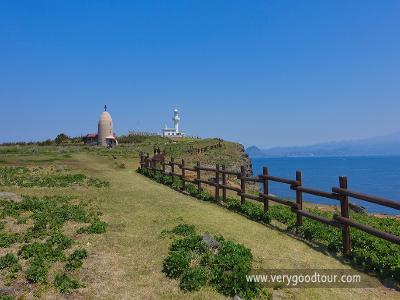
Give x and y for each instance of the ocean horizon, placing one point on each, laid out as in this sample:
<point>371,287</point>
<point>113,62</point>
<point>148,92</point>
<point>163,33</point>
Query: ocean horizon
<point>373,175</point>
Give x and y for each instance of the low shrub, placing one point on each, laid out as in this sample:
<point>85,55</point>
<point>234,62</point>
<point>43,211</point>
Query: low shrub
<point>369,252</point>
<point>194,278</point>
<point>195,265</point>
<point>37,270</point>
<point>7,239</point>
<point>230,268</point>
<point>66,284</point>
<point>192,190</point>
<point>282,214</point>
<point>252,210</point>
<point>191,242</point>
<point>44,243</point>
<point>7,261</point>
<point>59,240</point>
<point>43,251</point>
<point>75,260</point>
<point>184,230</point>
<point>177,184</point>
<point>176,263</point>
<point>204,195</point>
<point>97,183</point>
<point>96,227</point>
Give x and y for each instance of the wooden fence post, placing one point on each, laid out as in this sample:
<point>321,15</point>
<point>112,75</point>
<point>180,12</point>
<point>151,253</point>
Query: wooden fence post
<point>183,174</point>
<point>147,161</point>
<point>172,164</point>
<point>299,198</point>
<point>242,185</point>
<point>223,183</point>
<point>141,160</point>
<point>163,166</point>
<point>217,182</point>
<point>198,176</point>
<point>344,212</point>
<point>265,188</point>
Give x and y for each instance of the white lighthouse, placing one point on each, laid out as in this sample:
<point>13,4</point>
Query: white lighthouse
<point>176,120</point>
<point>173,132</point>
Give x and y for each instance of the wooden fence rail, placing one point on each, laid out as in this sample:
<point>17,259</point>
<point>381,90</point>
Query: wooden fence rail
<point>339,194</point>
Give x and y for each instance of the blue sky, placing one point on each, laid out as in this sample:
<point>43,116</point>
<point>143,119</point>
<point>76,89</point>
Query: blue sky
<point>258,72</point>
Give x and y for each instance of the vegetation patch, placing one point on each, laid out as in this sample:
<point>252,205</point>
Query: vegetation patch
<point>44,242</point>
<point>75,260</point>
<point>9,265</point>
<point>7,239</point>
<point>66,284</point>
<point>38,177</point>
<point>251,210</point>
<point>198,261</point>
<point>96,226</point>
<point>369,252</point>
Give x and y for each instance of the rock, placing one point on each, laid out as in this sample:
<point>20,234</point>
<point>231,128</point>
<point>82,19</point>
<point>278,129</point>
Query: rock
<point>10,196</point>
<point>211,242</point>
<point>356,208</point>
<point>236,297</point>
<point>60,168</point>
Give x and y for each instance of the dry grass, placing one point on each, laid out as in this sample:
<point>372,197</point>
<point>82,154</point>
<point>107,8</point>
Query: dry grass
<point>126,261</point>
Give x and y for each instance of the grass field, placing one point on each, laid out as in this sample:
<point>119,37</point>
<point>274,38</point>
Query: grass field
<point>126,261</point>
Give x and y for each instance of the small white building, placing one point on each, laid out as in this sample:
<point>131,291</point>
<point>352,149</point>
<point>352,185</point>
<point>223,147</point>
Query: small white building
<point>173,132</point>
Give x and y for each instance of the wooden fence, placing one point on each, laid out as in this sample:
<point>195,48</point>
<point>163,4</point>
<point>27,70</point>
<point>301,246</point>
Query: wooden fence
<point>340,194</point>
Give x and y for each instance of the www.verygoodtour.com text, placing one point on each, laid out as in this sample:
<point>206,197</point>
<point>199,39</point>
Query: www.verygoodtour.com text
<point>311,278</point>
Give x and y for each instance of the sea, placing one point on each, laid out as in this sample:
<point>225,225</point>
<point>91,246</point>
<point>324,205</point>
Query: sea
<point>378,176</point>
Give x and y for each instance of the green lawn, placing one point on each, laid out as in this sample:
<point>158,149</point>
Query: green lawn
<point>126,261</point>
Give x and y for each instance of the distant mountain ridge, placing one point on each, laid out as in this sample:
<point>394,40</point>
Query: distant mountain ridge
<point>382,145</point>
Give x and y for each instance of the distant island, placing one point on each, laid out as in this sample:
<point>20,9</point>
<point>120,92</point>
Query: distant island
<point>382,145</point>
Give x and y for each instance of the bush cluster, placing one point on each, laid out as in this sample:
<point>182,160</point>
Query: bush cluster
<point>369,252</point>
<point>65,283</point>
<point>252,210</point>
<point>75,260</point>
<point>10,262</point>
<point>44,243</point>
<point>196,265</point>
<point>96,227</point>
<point>249,209</point>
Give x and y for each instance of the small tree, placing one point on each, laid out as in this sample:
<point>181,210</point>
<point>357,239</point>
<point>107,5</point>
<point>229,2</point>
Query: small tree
<point>61,138</point>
